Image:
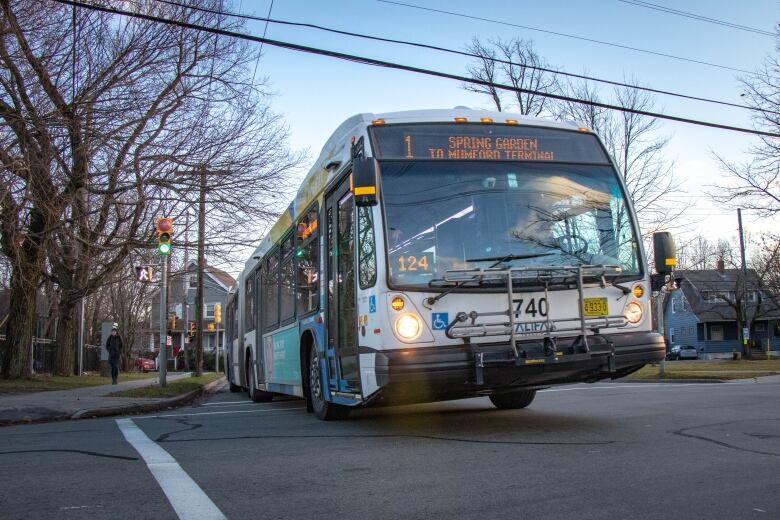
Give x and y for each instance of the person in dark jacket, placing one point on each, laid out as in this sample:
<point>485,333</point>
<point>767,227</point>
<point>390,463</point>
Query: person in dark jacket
<point>114,347</point>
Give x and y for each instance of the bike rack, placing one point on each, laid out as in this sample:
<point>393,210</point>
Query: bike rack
<point>466,326</point>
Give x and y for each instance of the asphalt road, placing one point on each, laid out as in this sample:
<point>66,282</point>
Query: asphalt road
<point>609,450</point>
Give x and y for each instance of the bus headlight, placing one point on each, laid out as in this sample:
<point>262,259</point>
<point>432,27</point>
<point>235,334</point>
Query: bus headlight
<point>408,326</point>
<point>633,312</point>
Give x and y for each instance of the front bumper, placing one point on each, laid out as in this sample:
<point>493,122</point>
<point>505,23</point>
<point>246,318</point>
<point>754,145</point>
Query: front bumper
<point>450,372</point>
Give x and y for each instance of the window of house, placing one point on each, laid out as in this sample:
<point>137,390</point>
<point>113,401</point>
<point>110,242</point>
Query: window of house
<point>753,296</point>
<point>208,310</point>
<point>716,332</point>
<point>759,326</point>
<point>685,305</point>
<point>307,263</point>
<point>671,335</point>
<point>675,306</point>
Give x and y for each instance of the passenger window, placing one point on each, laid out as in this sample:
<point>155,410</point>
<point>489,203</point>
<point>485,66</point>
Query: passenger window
<point>366,248</point>
<point>308,265</point>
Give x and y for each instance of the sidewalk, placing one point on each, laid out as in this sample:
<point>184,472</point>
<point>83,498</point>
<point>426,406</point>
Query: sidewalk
<point>79,402</point>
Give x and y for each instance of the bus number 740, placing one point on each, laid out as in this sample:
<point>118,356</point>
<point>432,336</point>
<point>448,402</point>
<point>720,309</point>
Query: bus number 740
<point>532,307</point>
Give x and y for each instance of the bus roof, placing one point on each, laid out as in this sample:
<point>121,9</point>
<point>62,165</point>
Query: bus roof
<point>335,155</point>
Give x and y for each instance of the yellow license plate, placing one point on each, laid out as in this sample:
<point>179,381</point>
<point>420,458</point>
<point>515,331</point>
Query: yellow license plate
<point>596,307</point>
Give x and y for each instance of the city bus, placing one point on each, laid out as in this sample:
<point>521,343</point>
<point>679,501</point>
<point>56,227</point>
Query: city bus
<point>445,254</point>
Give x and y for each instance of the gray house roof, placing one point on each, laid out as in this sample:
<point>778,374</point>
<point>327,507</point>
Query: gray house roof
<point>696,285</point>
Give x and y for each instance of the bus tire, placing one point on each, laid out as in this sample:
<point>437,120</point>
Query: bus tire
<point>513,400</point>
<point>323,409</point>
<point>234,388</point>
<point>256,395</point>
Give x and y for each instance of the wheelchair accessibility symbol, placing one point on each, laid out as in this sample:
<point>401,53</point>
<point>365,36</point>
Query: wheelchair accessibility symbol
<point>439,320</point>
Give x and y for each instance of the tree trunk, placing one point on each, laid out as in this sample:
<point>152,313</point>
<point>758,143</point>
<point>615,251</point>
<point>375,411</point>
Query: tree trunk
<point>66,339</point>
<point>21,322</point>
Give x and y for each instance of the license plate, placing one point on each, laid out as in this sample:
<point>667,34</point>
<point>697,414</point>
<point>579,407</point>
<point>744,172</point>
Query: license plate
<point>596,307</point>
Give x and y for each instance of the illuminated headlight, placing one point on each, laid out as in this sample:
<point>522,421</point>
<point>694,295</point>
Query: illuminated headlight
<point>408,326</point>
<point>633,312</point>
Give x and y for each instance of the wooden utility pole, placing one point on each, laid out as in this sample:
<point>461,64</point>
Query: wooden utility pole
<point>201,269</point>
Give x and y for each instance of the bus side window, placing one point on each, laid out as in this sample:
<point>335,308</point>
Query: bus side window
<point>366,248</point>
<point>271,292</point>
<point>249,304</point>
<point>287,282</point>
<point>307,263</point>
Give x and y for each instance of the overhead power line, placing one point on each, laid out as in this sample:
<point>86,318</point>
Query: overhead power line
<point>694,16</point>
<point>463,53</point>
<point>566,35</point>
<point>408,68</point>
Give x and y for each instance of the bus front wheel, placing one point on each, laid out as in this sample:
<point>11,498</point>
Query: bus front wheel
<point>513,400</point>
<point>323,409</point>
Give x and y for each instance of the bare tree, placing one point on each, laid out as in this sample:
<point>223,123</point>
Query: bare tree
<point>513,62</point>
<point>635,143</point>
<point>128,103</point>
<point>701,253</point>
<point>755,184</point>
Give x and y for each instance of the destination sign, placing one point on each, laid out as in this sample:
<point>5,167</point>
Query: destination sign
<point>485,142</point>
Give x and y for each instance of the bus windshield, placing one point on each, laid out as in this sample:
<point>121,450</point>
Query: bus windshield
<point>443,215</point>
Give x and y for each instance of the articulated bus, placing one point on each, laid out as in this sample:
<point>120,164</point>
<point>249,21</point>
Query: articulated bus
<point>444,254</point>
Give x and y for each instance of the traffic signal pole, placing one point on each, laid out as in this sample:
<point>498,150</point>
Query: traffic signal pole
<point>163,357</point>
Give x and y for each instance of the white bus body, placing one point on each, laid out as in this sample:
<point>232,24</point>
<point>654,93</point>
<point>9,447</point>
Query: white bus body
<point>410,299</point>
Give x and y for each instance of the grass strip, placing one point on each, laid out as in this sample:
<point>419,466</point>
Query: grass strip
<point>44,382</point>
<point>715,369</point>
<point>172,389</point>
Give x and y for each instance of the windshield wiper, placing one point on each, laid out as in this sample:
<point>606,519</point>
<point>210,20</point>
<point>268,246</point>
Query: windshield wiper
<point>497,259</point>
<point>507,258</point>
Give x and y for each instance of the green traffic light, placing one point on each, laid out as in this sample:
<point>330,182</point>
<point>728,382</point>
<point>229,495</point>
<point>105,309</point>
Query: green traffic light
<point>164,248</point>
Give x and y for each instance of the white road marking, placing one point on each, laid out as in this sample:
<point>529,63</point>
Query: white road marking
<point>228,403</point>
<point>645,386</point>
<point>187,498</point>
<point>219,413</point>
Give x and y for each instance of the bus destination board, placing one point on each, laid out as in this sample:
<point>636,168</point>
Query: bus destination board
<point>481,142</point>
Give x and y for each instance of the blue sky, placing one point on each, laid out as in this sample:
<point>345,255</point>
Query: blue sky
<point>315,94</point>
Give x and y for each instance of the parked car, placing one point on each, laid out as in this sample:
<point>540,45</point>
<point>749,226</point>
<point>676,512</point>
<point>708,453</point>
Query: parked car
<point>144,364</point>
<point>680,352</point>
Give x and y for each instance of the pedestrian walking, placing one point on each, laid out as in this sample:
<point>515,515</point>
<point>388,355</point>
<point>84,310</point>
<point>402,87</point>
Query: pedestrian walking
<point>114,347</point>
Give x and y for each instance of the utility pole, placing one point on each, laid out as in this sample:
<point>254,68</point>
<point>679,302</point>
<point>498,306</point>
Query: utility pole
<point>201,268</point>
<point>186,292</point>
<point>81,338</point>
<point>744,320</point>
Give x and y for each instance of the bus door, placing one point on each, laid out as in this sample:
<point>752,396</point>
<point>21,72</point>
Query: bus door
<point>341,308</point>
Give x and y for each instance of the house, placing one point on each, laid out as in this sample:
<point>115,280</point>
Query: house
<point>701,311</point>
<point>182,287</point>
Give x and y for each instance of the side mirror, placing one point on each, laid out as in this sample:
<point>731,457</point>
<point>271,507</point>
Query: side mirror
<point>364,182</point>
<point>665,252</point>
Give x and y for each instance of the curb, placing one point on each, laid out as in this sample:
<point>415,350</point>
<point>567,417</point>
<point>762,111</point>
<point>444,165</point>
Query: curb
<point>672,381</point>
<point>163,404</point>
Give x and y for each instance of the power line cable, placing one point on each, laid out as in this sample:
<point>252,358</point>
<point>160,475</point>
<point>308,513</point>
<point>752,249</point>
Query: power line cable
<point>565,35</point>
<point>694,16</point>
<point>467,54</point>
<point>265,30</point>
<point>419,70</point>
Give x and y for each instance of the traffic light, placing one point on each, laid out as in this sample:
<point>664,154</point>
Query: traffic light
<point>172,322</point>
<point>144,273</point>
<point>211,327</point>
<point>164,228</point>
<point>191,330</point>
<point>218,313</point>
